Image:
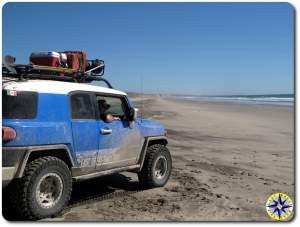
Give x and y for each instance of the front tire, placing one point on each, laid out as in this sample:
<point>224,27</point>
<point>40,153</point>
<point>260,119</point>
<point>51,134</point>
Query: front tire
<point>157,166</point>
<point>44,190</point>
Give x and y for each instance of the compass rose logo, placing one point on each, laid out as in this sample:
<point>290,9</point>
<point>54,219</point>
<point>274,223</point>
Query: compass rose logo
<point>279,206</point>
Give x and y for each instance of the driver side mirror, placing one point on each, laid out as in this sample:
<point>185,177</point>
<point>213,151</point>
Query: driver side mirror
<point>133,114</point>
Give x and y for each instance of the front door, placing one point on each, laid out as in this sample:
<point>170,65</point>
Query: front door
<point>119,144</point>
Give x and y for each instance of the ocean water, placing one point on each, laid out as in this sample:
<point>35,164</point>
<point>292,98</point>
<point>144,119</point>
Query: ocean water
<point>271,99</point>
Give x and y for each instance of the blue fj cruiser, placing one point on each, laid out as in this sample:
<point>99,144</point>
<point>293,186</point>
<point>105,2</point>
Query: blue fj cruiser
<point>55,133</point>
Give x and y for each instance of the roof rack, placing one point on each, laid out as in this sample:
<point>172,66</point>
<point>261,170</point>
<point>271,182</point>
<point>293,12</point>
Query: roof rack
<point>30,71</point>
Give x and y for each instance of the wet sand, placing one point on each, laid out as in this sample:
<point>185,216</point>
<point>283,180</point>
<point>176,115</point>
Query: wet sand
<point>227,159</point>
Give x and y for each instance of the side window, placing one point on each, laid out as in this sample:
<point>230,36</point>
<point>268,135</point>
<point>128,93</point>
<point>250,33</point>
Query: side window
<point>82,106</point>
<point>115,106</point>
<point>21,105</point>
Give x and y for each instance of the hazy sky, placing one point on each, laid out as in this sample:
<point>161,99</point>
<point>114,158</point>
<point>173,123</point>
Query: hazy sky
<point>195,48</point>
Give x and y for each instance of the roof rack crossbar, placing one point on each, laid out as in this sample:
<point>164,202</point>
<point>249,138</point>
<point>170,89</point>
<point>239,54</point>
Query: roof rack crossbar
<point>24,72</point>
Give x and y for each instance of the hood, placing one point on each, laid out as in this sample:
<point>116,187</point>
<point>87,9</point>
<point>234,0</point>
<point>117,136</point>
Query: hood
<point>150,128</point>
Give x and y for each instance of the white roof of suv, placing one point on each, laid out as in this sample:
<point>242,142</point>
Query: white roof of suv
<point>55,87</point>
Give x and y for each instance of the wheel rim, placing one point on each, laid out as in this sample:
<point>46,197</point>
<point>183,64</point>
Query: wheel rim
<point>49,190</point>
<point>160,167</point>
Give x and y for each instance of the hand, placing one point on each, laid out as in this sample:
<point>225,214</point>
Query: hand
<point>109,118</point>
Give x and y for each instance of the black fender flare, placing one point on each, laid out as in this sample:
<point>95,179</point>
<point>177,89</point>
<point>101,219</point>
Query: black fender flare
<point>150,139</point>
<point>41,149</point>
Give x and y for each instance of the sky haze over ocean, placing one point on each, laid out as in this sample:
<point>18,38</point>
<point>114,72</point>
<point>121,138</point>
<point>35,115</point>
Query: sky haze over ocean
<point>178,48</point>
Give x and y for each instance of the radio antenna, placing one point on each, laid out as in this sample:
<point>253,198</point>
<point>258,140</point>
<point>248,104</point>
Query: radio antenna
<point>142,99</point>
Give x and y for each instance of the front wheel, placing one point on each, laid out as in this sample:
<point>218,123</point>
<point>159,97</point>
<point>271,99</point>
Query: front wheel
<point>157,166</point>
<point>44,190</point>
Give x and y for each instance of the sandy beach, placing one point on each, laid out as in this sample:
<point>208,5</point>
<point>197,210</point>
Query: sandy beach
<point>227,159</point>
<point>219,77</point>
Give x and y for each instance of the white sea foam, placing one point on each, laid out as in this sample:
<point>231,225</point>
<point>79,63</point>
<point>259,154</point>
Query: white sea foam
<point>244,99</point>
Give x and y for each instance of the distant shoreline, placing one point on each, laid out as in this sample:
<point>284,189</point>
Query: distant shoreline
<point>278,100</point>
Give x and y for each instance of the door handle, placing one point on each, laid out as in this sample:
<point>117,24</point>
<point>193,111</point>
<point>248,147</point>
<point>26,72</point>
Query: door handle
<point>105,131</point>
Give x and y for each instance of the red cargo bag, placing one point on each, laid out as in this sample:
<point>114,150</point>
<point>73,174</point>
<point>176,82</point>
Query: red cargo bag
<point>76,60</point>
